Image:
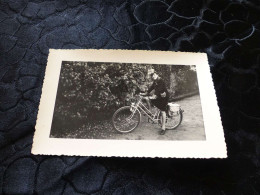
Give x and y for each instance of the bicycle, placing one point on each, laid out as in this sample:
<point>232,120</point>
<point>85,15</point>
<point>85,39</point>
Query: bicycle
<point>127,118</point>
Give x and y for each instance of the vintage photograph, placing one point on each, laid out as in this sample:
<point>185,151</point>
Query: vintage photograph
<point>100,100</point>
<point>128,103</point>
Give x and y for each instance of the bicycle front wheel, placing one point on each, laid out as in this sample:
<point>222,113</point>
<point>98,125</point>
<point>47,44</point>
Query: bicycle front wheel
<point>124,120</point>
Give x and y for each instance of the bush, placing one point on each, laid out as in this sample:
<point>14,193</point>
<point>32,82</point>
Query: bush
<point>94,90</point>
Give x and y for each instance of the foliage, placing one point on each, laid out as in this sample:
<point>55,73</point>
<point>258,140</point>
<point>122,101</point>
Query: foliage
<point>186,80</point>
<point>92,89</point>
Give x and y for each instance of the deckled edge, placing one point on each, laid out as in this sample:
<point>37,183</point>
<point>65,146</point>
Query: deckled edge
<point>124,156</point>
<point>219,115</point>
<point>40,104</point>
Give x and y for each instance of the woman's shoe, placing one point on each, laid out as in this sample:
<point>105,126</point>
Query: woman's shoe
<point>162,132</point>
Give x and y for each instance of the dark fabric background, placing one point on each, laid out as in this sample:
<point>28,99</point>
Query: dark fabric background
<point>228,31</point>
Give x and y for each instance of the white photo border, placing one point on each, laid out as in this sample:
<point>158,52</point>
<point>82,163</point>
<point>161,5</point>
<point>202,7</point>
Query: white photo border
<point>213,147</point>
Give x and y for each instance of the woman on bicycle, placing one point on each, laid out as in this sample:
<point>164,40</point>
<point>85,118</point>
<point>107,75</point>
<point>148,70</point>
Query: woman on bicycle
<point>161,97</point>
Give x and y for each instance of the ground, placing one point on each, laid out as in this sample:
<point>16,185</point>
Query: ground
<point>191,128</point>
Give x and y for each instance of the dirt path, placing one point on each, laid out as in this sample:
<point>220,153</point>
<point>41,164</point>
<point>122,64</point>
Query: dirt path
<point>191,128</point>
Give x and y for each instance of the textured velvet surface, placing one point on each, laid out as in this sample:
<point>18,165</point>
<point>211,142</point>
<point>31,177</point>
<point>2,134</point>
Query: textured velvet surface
<point>229,31</point>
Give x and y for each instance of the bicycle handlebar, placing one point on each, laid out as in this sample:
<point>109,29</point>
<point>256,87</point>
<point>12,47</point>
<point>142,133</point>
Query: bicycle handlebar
<point>146,95</point>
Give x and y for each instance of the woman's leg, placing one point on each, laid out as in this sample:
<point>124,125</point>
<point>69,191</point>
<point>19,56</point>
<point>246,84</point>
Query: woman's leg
<point>161,105</point>
<point>163,108</point>
<point>148,103</point>
<point>163,122</point>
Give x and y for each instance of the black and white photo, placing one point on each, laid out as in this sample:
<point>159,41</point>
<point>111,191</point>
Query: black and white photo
<point>99,100</point>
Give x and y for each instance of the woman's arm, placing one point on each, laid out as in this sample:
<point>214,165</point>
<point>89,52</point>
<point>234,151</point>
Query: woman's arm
<point>150,89</point>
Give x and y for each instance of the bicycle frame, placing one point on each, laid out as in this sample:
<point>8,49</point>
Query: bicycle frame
<point>141,107</point>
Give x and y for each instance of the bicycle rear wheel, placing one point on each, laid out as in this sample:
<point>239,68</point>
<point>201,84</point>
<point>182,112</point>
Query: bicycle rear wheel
<point>172,122</point>
<point>124,120</point>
